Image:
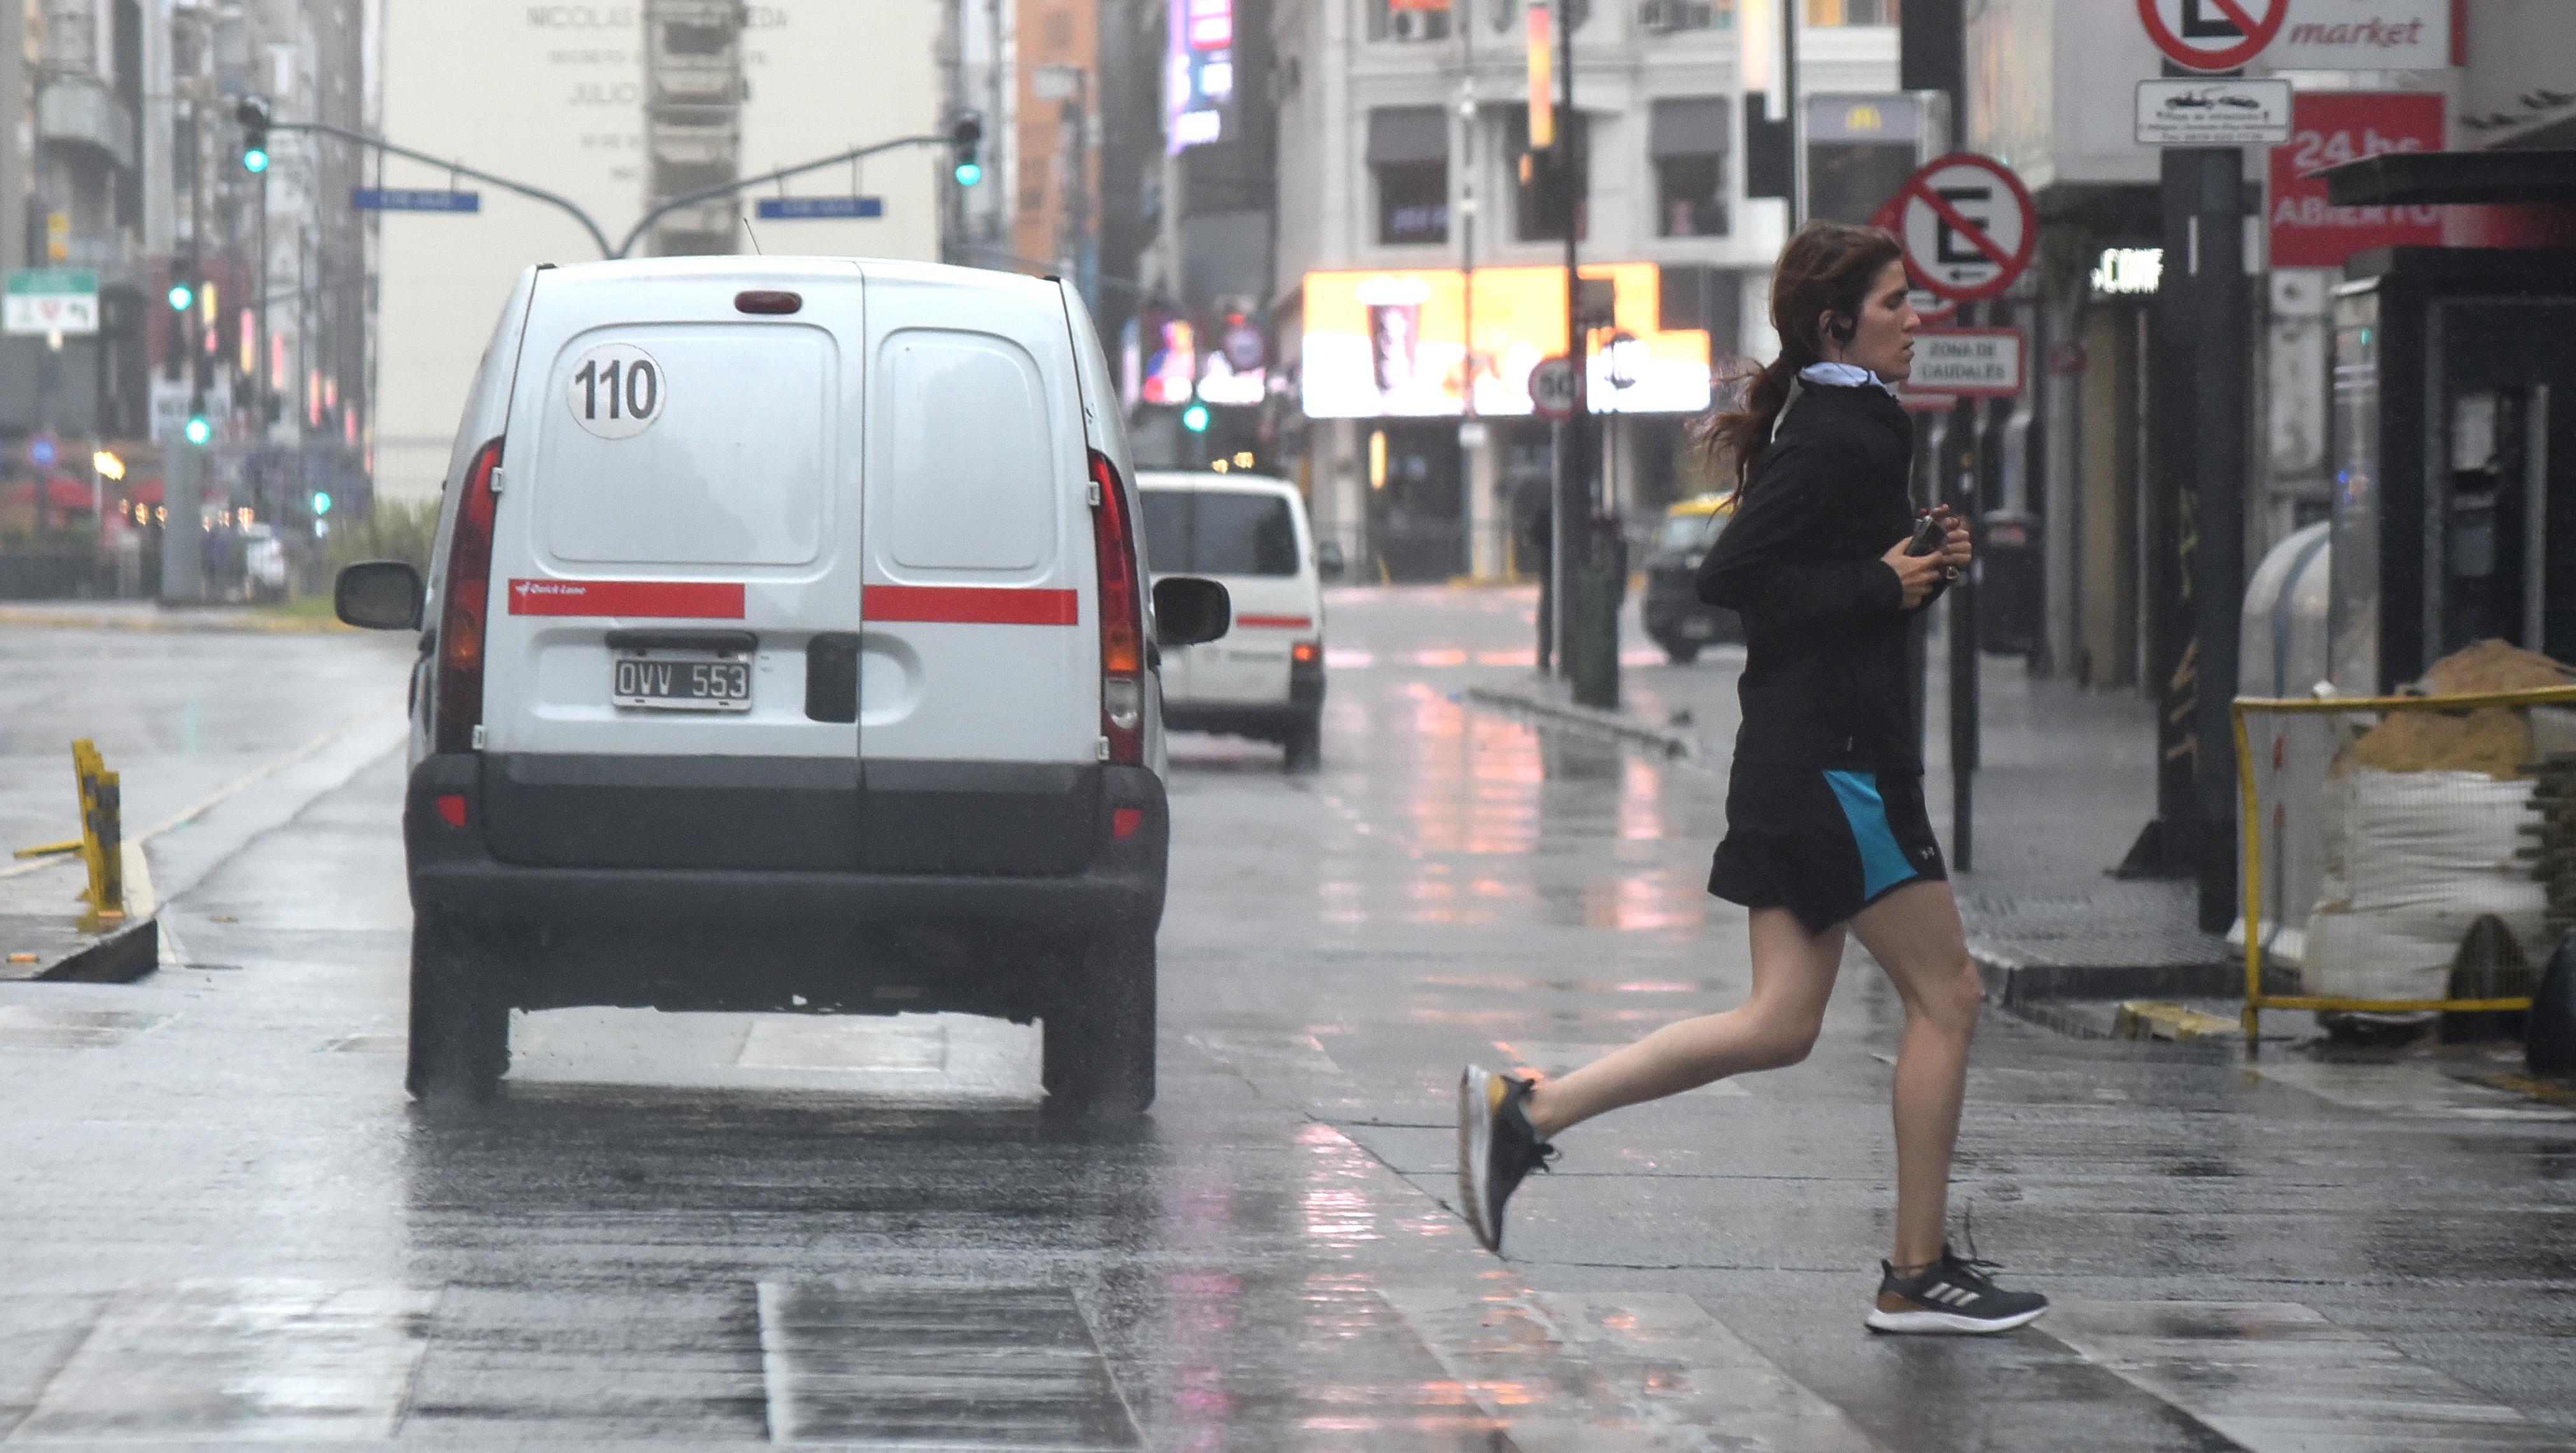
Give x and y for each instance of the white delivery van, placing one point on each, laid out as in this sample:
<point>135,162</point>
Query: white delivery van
<point>1250,534</point>
<point>785,649</point>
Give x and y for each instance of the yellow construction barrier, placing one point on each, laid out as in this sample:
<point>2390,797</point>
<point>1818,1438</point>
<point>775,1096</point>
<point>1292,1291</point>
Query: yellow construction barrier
<point>2483,745</point>
<point>102,844</point>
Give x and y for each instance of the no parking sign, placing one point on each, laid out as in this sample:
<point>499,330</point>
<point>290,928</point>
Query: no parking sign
<point>1968,226</point>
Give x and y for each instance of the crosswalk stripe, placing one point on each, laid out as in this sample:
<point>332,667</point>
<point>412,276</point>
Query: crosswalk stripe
<point>936,1364</point>
<point>1617,1373</point>
<point>2275,1377</point>
<point>252,1359</point>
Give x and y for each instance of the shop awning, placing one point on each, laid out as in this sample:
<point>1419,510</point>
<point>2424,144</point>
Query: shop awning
<point>1400,134</point>
<point>1689,126</point>
<point>2454,178</point>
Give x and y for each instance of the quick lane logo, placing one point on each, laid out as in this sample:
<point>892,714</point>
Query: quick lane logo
<point>662,599</point>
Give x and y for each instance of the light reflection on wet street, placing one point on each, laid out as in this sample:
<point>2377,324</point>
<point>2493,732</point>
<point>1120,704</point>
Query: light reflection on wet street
<point>225,1224</point>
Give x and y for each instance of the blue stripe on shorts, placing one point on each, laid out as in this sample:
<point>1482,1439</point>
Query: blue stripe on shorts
<point>1882,862</point>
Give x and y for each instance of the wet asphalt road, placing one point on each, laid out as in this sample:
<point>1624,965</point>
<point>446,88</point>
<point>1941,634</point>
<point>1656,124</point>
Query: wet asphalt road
<point>224,1225</point>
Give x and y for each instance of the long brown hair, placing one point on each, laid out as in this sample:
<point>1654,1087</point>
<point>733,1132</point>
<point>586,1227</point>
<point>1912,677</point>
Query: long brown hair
<point>1827,267</point>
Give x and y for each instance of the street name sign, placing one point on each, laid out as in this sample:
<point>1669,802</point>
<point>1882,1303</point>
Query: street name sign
<point>1555,389</point>
<point>794,209</point>
<point>2213,113</point>
<point>2212,35</point>
<point>414,199</point>
<point>1968,363</point>
<point>1968,225</point>
<point>42,300</point>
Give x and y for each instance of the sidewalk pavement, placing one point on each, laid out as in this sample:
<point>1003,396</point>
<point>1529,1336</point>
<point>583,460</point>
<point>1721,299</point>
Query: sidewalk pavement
<point>149,615</point>
<point>2067,781</point>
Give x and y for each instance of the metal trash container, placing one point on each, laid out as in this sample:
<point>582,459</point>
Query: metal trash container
<point>2008,583</point>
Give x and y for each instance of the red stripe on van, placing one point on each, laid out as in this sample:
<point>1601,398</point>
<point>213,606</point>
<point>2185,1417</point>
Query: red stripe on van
<point>1278,623</point>
<point>668,599</point>
<point>975,605</point>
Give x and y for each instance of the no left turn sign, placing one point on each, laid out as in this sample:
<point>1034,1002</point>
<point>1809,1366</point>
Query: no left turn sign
<point>1967,224</point>
<point>2212,35</point>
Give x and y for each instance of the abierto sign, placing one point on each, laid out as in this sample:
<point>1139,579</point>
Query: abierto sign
<point>1967,363</point>
<point>2327,129</point>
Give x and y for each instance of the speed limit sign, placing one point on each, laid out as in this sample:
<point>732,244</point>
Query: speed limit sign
<point>1555,389</point>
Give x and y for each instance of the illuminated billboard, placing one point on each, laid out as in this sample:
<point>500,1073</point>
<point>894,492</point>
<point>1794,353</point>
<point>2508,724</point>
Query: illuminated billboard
<point>1198,80</point>
<point>1391,344</point>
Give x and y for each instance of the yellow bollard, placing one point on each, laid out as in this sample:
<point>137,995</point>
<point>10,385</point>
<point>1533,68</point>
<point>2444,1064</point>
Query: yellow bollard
<point>102,838</point>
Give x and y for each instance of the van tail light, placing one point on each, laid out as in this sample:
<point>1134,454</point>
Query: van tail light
<point>1305,653</point>
<point>1122,619</point>
<point>463,603</point>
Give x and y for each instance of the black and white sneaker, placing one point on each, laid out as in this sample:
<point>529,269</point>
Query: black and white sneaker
<point>1496,1148</point>
<point>1953,1295</point>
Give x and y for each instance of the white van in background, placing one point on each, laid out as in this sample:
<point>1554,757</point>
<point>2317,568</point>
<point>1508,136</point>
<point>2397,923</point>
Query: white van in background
<point>1249,533</point>
<point>787,649</point>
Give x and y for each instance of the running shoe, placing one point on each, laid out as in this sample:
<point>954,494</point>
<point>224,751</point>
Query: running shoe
<point>1496,1148</point>
<point>1953,1295</point>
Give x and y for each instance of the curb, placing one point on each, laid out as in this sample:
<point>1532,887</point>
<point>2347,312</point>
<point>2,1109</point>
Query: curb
<point>65,955</point>
<point>2011,983</point>
<point>1671,743</point>
<point>120,957</point>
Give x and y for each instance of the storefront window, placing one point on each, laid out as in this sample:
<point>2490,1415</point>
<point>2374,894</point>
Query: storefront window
<point>1408,154</point>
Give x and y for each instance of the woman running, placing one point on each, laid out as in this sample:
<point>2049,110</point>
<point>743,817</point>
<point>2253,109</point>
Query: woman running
<point>1824,809</point>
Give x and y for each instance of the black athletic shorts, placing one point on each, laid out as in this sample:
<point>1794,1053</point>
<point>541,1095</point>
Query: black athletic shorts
<point>1823,845</point>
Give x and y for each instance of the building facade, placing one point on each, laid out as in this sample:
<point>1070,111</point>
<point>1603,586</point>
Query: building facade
<point>1419,268</point>
<point>613,106</point>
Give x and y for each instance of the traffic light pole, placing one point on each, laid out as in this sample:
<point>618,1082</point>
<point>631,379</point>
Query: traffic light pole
<point>574,210</point>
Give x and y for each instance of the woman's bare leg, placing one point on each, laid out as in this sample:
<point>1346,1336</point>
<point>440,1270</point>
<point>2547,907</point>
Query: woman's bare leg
<point>1914,934</point>
<point>1793,975</point>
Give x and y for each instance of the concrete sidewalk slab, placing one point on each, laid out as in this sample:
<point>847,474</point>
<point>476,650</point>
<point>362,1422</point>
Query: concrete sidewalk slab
<point>40,929</point>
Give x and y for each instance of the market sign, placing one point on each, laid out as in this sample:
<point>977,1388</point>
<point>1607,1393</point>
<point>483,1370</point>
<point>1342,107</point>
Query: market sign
<point>2363,35</point>
<point>2329,128</point>
<point>1390,344</point>
<point>43,300</point>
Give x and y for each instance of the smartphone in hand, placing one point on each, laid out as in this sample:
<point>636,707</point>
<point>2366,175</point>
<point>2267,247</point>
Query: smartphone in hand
<point>1929,532</point>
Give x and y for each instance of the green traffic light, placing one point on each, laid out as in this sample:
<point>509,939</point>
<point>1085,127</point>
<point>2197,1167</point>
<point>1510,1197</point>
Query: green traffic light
<point>199,431</point>
<point>181,295</point>
<point>1195,418</point>
<point>255,160</point>
<point>321,502</point>
<point>969,173</point>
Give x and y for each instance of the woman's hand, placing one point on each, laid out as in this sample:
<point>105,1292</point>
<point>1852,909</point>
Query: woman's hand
<point>1919,574</point>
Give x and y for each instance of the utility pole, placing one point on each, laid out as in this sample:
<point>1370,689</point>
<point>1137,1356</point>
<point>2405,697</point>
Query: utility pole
<point>13,166</point>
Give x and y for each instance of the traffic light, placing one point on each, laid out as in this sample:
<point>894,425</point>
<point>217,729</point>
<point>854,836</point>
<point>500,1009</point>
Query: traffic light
<point>321,502</point>
<point>199,429</point>
<point>182,297</point>
<point>1195,418</point>
<point>252,113</point>
<point>966,138</point>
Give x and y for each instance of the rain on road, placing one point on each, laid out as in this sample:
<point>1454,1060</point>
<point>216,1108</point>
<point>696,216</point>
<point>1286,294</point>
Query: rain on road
<point>225,1224</point>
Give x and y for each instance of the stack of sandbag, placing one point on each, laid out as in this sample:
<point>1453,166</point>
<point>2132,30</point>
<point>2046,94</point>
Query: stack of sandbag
<point>2424,825</point>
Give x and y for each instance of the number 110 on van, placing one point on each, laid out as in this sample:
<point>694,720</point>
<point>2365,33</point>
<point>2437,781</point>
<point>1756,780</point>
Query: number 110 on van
<point>616,390</point>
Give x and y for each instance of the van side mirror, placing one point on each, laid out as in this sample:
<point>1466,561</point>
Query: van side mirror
<point>1329,564</point>
<point>1189,610</point>
<point>378,595</point>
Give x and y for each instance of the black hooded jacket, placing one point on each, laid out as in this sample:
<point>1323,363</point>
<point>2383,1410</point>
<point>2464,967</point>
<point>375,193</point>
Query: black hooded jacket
<point>1824,681</point>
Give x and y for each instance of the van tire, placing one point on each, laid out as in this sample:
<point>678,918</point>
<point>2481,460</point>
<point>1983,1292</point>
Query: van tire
<point>460,1023</point>
<point>1098,1038</point>
<point>1305,744</point>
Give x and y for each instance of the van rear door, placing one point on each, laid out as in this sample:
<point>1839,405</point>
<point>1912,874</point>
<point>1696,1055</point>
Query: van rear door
<point>676,568</point>
<point>980,659</point>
